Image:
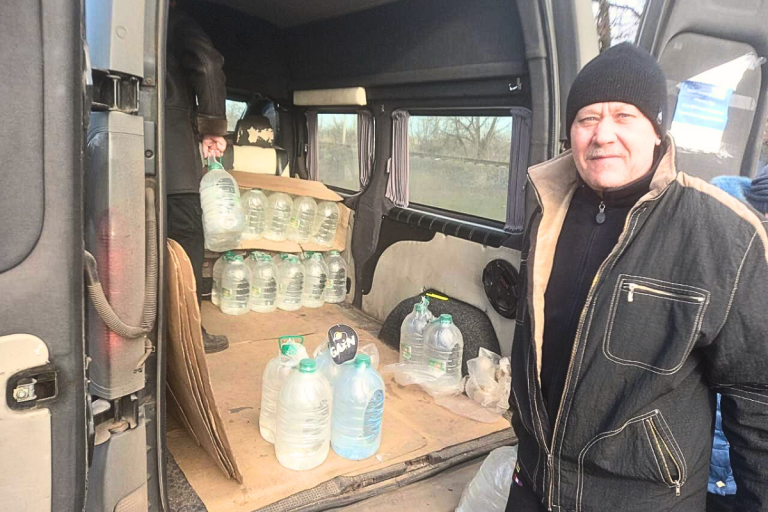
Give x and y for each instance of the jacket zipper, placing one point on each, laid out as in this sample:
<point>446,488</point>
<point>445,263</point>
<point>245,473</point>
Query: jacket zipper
<point>615,254</point>
<point>633,287</point>
<point>664,450</point>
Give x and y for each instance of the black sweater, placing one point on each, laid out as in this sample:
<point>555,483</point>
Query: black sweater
<point>583,245</point>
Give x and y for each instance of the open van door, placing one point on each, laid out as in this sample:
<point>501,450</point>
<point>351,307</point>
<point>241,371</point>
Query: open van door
<point>712,54</point>
<point>43,426</point>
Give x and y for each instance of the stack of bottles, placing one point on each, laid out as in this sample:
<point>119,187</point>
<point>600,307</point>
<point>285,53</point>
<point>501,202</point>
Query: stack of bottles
<point>304,415</point>
<point>263,283</point>
<point>229,216</point>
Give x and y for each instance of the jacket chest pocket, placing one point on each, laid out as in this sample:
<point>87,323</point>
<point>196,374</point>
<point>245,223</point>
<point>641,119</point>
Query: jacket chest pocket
<point>652,324</point>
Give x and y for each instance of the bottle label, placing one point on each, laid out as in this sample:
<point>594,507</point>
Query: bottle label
<point>405,350</point>
<point>438,366</point>
<point>374,415</point>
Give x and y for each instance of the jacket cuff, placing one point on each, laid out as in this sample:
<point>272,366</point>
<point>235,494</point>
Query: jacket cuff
<point>211,126</point>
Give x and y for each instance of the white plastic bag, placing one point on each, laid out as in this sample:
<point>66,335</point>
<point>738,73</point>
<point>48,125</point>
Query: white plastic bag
<point>489,382</point>
<point>434,383</point>
<point>489,490</point>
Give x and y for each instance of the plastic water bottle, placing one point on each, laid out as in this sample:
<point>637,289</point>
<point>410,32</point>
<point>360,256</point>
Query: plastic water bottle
<point>255,205</point>
<point>279,257</point>
<point>263,283</point>
<point>443,350</point>
<point>358,410</point>
<point>290,283</point>
<point>275,374</point>
<point>412,333</point>
<point>235,286</point>
<point>303,434</point>
<point>223,218</point>
<point>279,208</point>
<point>327,366</point>
<point>218,268</point>
<point>326,222</point>
<point>336,286</point>
<point>315,278</point>
<point>302,217</point>
<point>488,491</point>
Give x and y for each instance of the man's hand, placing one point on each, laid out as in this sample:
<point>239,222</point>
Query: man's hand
<point>214,146</point>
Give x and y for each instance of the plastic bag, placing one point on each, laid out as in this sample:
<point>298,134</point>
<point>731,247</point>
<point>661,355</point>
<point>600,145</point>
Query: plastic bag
<point>489,490</point>
<point>489,382</point>
<point>436,384</point>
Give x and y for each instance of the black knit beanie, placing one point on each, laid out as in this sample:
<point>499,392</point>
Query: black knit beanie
<point>622,73</point>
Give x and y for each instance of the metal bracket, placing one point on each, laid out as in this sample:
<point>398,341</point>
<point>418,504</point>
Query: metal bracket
<point>25,391</point>
<point>112,92</point>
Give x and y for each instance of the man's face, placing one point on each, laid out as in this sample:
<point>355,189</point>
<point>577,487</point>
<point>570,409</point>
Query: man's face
<point>612,144</point>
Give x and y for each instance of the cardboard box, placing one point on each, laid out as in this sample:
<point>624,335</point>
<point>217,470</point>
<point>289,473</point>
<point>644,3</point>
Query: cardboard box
<point>294,187</point>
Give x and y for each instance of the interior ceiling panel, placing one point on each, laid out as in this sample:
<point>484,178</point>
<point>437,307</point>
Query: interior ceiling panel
<point>291,13</point>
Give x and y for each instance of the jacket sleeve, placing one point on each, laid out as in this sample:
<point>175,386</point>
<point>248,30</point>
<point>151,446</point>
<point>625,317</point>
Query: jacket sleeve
<point>204,67</point>
<point>738,370</point>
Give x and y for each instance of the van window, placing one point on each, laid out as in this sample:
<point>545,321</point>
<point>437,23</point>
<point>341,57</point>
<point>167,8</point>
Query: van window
<point>337,161</point>
<point>617,20</point>
<point>460,163</point>
<point>235,112</point>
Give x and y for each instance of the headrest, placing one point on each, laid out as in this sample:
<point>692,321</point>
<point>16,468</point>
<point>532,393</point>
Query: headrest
<point>254,131</point>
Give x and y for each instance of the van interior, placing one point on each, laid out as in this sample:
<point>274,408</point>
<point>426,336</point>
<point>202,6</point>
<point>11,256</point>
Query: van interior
<point>461,75</point>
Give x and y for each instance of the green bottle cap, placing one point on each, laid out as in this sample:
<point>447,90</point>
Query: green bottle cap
<point>445,318</point>
<point>362,361</point>
<point>316,256</point>
<point>288,349</point>
<point>214,164</point>
<point>334,252</point>
<point>229,256</point>
<point>307,366</point>
<point>238,258</point>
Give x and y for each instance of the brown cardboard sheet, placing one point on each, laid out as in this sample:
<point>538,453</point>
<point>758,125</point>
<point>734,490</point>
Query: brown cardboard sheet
<point>293,186</point>
<point>413,425</point>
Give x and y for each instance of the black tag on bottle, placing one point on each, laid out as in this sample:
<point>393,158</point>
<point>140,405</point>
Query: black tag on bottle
<point>342,343</point>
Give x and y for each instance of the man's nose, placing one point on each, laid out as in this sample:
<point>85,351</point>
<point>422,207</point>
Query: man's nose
<point>605,132</point>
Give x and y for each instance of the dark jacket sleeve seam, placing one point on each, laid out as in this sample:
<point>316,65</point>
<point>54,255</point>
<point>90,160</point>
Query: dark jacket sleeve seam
<point>736,282</point>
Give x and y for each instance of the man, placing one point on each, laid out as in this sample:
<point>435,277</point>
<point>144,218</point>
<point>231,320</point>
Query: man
<point>643,296</point>
<point>195,106</point>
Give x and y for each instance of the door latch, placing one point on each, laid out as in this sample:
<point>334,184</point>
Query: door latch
<point>28,388</point>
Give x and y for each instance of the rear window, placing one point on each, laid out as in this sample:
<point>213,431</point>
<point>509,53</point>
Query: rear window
<point>460,163</point>
<point>337,161</point>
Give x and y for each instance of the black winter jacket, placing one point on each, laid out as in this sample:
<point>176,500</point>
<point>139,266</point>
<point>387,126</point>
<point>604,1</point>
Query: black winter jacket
<point>195,101</point>
<point>676,313</point>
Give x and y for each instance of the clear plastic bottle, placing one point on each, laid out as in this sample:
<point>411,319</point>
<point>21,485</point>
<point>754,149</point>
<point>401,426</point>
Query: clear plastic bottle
<point>326,222</point>
<point>315,278</point>
<point>223,218</point>
<point>303,434</point>
<point>263,283</point>
<point>336,286</point>
<point>218,268</point>
<point>255,206</point>
<point>326,365</point>
<point>279,208</point>
<point>279,257</point>
<point>358,410</point>
<point>302,217</point>
<point>235,286</point>
<point>275,374</point>
<point>412,333</point>
<point>488,491</point>
<point>443,350</point>
<point>290,283</point>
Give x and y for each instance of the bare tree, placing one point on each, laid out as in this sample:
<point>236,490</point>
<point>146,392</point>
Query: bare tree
<point>617,20</point>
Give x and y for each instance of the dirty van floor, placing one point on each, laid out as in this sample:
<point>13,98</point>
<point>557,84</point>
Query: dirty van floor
<point>413,425</point>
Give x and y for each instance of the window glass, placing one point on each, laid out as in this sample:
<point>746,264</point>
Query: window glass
<point>617,20</point>
<point>460,163</point>
<point>235,112</point>
<point>337,162</point>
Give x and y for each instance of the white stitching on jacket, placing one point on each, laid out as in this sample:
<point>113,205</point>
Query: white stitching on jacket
<point>736,282</point>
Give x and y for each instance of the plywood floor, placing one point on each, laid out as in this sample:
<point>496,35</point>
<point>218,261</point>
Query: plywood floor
<point>413,425</point>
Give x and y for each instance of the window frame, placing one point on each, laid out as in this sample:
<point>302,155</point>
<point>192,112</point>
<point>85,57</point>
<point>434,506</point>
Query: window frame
<point>452,111</point>
<point>236,99</point>
<point>344,192</point>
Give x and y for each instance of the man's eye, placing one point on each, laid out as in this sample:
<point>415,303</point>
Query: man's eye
<point>590,119</point>
<point>624,115</point>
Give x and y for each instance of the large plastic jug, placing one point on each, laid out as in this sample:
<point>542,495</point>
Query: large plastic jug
<point>255,206</point>
<point>443,350</point>
<point>235,286</point>
<point>315,278</point>
<point>358,410</point>
<point>223,218</point>
<point>263,283</point>
<point>275,374</point>
<point>218,269</point>
<point>336,286</point>
<point>412,333</point>
<point>489,490</point>
<point>302,217</point>
<point>279,208</point>
<point>290,283</point>
<point>326,223</point>
<point>303,434</point>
